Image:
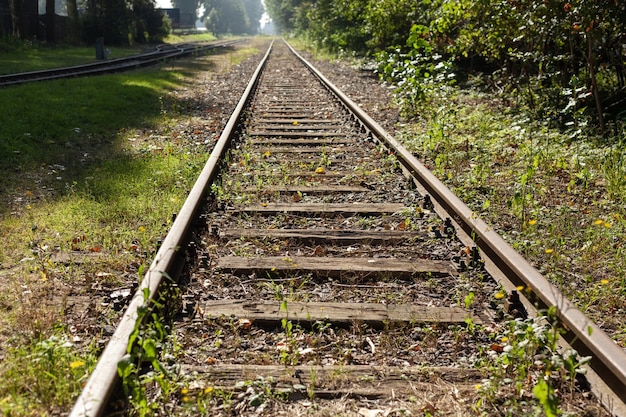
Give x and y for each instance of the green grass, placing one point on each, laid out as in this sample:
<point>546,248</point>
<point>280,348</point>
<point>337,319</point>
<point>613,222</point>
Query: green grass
<point>49,370</point>
<point>195,37</point>
<point>93,165</point>
<point>557,199</point>
<point>24,56</point>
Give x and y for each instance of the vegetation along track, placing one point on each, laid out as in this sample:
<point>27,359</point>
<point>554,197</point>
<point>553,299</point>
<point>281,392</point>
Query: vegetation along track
<point>161,53</point>
<point>320,268</point>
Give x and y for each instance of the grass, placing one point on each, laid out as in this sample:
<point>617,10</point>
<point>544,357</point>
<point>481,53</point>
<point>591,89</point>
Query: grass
<point>94,166</point>
<point>20,56</point>
<point>557,199</point>
<point>31,56</point>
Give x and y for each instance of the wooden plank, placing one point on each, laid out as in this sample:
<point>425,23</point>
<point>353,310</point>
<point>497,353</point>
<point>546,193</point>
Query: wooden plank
<point>310,189</point>
<point>339,381</point>
<point>295,148</point>
<point>323,266</point>
<point>270,312</point>
<point>299,120</point>
<point>303,142</point>
<point>323,208</point>
<point>328,172</point>
<point>76,257</point>
<point>261,133</point>
<point>332,236</point>
<point>295,127</point>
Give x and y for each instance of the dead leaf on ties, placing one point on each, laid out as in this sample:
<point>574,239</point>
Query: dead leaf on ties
<point>245,323</point>
<point>95,249</point>
<point>283,346</point>
<point>497,348</point>
<point>402,225</point>
<point>428,408</point>
<point>319,251</point>
<point>296,197</point>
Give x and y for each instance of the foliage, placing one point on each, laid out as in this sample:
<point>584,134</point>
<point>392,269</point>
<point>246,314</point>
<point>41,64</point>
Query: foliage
<point>556,198</point>
<point>226,16</point>
<point>44,373</point>
<point>564,60</point>
<point>525,358</point>
<point>120,22</point>
<point>416,72</point>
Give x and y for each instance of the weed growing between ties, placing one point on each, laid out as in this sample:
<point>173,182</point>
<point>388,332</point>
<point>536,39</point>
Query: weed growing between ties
<point>529,373</point>
<point>555,196</point>
<point>49,369</point>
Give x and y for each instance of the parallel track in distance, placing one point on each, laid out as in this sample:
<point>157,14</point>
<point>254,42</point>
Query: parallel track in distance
<point>160,54</point>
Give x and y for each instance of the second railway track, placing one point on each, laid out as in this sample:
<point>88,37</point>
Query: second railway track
<point>324,272</point>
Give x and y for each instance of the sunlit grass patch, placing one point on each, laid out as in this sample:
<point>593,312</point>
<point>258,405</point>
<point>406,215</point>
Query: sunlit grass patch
<point>43,374</point>
<point>24,56</point>
<point>556,199</point>
<point>92,170</point>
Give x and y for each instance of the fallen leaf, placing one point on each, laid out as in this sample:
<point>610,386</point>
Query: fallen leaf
<point>245,323</point>
<point>497,348</point>
<point>319,251</point>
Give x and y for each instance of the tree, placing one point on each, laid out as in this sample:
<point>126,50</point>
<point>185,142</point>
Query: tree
<point>188,7</point>
<point>254,10</point>
<point>73,29</point>
<point>147,22</point>
<point>24,18</point>
<point>231,16</point>
<point>50,21</point>
<point>283,12</point>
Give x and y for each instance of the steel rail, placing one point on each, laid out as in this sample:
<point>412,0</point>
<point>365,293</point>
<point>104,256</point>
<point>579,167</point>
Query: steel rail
<point>167,262</point>
<point>110,66</point>
<point>608,359</point>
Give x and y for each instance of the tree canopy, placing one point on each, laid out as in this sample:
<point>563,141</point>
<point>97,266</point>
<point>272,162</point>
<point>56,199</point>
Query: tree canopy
<point>117,21</point>
<point>565,58</point>
<point>236,17</point>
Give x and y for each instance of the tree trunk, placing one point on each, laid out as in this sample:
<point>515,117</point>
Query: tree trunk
<point>72,14</point>
<point>594,84</point>
<point>50,22</point>
<point>16,17</point>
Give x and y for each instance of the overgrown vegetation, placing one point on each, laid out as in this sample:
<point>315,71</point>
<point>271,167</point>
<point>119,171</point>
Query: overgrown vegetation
<point>93,168</point>
<point>564,61</point>
<point>519,107</point>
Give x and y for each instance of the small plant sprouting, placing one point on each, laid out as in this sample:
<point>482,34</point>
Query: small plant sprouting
<point>525,358</point>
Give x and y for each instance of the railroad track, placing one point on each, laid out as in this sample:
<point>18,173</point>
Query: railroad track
<point>316,265</point>
<point>161,53</point>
